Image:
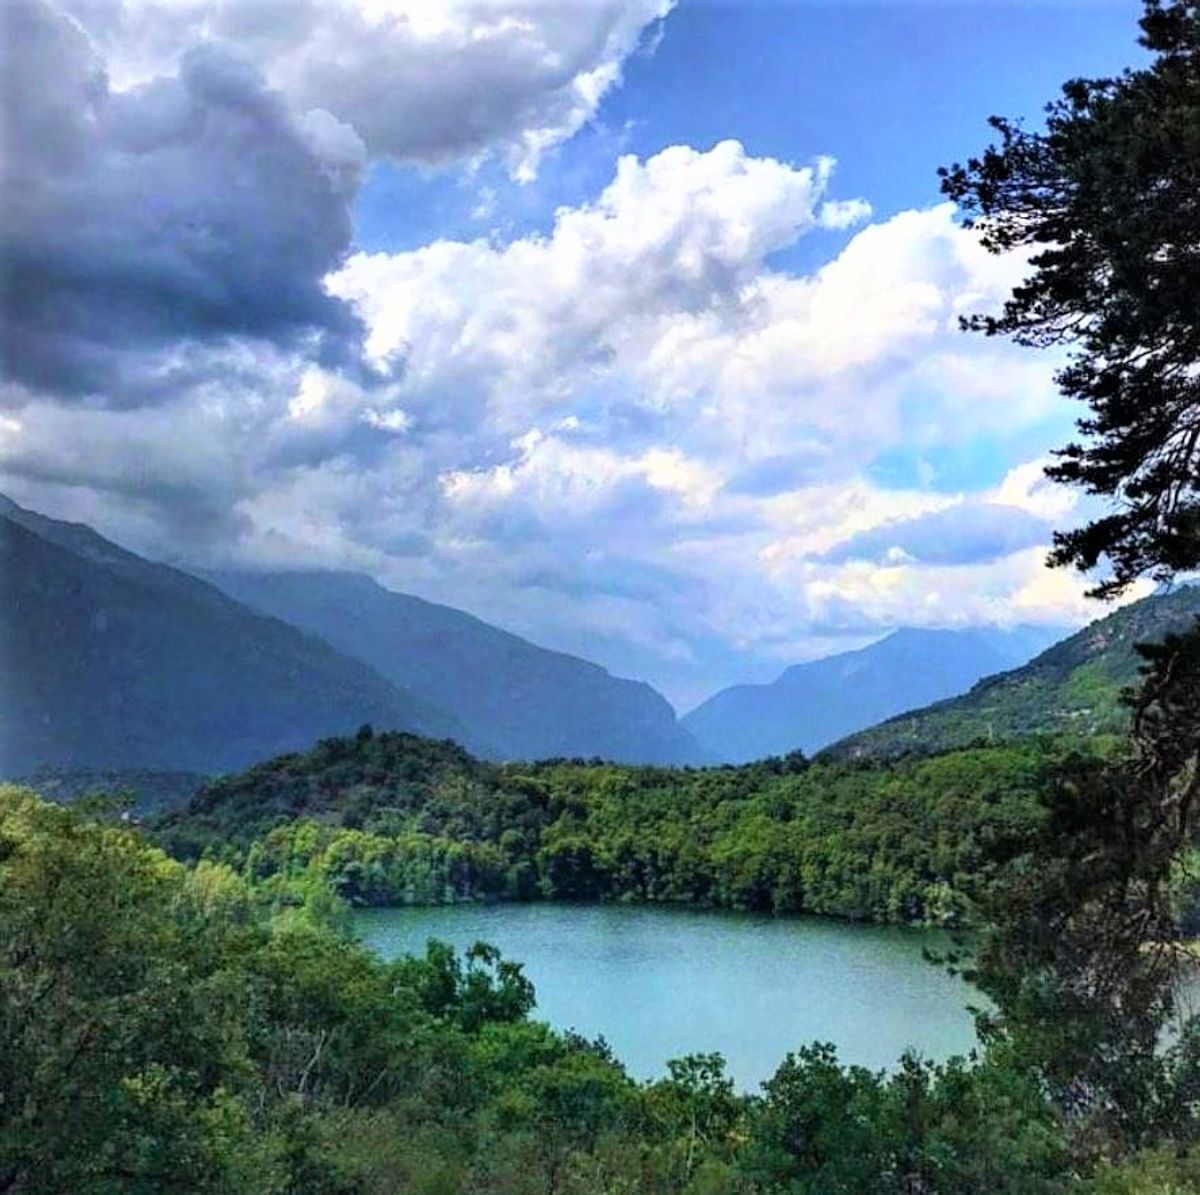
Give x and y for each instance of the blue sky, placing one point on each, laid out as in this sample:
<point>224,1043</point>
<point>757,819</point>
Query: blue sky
<point>628,325</point>
<point>891,88</point>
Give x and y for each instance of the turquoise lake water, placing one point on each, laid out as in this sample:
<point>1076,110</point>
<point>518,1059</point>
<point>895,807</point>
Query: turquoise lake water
<point>659,983</point>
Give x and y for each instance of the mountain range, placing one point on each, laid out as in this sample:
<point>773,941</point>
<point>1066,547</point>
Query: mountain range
<point>812,705</point>
<point>110,661</point>
<point>530,702</point>
<point>1073,687</point>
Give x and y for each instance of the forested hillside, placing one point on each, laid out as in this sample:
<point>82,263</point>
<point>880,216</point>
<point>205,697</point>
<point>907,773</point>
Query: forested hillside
<point>184,1029</point>
<point>392,819</point>
<point>1072,688</point>
<point>146,792</point>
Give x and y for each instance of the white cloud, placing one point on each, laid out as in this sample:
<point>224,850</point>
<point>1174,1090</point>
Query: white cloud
<point>652,311</point>
<point>428,81</point>
<point>634,436</point>
<point>396,421</point>
<point>568,486</point>
<point>637,436</point>
<point>667,257</point>
<point>1027,487</point>
<point>1015,588</point>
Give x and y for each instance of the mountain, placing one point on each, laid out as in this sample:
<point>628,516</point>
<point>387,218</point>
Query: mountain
<point>111,662</point>
<point>530,702</point>
<point>1074,687</point>
<point>151,791</point>
<point>813,704</point>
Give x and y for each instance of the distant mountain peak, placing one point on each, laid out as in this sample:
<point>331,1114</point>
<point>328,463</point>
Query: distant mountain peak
<point>115,662</point>
<point>1073,686</point>
<point>75,537</point>
<point>530,701</point>
<point>815,703</point>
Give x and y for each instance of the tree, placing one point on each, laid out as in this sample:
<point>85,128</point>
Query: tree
<point>1107,198</point>
<point>486,989</point>
<point>1080,911</point>
<point>124,1065</point>
<point>1079,952</point>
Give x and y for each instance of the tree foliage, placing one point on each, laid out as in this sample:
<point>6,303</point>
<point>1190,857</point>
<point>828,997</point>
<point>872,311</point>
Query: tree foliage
<point>1082,910</point>
<point>395,820</point>
<point>1079,949</point>
<point>1106,198</point>
<point>166,1028</point>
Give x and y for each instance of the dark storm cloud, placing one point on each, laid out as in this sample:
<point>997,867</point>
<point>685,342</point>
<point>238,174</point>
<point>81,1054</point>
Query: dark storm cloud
<point>972,533</point>
<point>191,210</point>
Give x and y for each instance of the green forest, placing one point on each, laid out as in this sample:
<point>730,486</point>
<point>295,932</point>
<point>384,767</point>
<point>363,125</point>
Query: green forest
<point>184,1008</point>
<point>179,1028</point>
<point>390,819</point>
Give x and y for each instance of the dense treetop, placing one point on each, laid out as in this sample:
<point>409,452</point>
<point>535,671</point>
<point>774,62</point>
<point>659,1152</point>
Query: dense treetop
<point>392,819</point>
<point>171,1028</point>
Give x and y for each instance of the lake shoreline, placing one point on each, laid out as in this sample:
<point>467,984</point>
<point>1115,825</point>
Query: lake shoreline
<point>634,902</point>
<point>662,982</point>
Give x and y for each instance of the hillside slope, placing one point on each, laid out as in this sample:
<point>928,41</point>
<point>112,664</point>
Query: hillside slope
<point>1074,687</point>
<point>394,819</point>
<point>814,704</point>
<point>108,661</point>
<point>530,702</point>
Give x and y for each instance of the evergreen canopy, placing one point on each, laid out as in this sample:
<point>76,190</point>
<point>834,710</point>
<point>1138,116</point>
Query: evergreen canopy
<point>1107,198</point>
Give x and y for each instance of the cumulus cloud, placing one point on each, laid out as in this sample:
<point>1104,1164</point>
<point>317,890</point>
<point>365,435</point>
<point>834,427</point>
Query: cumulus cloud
<point>643,287</point>
<point>428,81</point>
<point>632,436</point>
<point>653,316</point>
<point>179,174</point>
<point>644,396</point>
<point>1013,588</point>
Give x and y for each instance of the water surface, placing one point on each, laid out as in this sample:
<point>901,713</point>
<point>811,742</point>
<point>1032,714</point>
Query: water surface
<point>658,983</point>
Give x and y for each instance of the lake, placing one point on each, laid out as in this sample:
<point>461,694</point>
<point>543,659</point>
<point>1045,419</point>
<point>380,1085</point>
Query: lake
<point>659,983</point>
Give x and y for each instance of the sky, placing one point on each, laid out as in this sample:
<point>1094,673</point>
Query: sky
<point>627,325</point>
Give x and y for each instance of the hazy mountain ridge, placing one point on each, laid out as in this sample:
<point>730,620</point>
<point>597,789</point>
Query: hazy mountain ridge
<point>114,663</point>
<point>814,704</point>
<point>1073,687</point>
<point>111,662</point>
<point>151,791</point>
<point>529,701</point>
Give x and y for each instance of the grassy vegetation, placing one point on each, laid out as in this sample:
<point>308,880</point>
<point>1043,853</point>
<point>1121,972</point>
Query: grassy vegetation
<point>1074,688</point>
